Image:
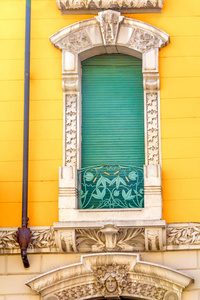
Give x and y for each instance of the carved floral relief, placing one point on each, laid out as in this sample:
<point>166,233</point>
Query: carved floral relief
<point>77,292</point>
<point>188,235</point>
<point>75,42</point>
<point>143,41</point>
<point>113,280</point>
<point>152,129</point>
<point>41,239</point>
<point>71,130</point>
<point>114,239</point>
<point>146,290</point>
<point>65,5</point>
<point>8,240</point>
<point>108,238</point>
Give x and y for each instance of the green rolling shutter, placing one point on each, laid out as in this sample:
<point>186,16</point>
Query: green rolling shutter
<point>112,111</point>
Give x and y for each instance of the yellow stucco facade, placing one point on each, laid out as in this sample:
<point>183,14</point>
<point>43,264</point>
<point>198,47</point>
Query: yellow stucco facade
<point>147,258</point>
<point>180,110</point>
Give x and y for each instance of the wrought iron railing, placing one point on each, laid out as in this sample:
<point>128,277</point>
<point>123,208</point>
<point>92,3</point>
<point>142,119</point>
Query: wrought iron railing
<point>110,186</point>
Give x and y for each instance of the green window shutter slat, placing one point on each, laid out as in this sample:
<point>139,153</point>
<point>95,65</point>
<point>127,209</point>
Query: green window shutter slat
<point>112,111</point>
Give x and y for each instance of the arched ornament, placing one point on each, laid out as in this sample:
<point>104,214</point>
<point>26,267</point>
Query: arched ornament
<point>109,32</point>
<point>111,276</point>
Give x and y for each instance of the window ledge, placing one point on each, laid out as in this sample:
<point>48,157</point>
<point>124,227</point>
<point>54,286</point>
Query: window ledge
<point>110,210</point>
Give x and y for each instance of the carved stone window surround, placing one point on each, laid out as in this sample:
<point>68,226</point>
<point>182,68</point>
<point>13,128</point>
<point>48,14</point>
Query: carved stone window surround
<point>79,42</point>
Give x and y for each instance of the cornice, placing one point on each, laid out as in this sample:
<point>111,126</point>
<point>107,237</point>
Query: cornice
<point>94,6</point>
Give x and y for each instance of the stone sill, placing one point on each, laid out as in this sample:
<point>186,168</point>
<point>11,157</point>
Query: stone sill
<point>99,223</point>
<point>110,209</point>
<point>122,10</point>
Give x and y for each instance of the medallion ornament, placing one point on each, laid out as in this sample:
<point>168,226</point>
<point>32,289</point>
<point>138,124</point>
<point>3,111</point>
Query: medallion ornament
<point>111,278</point>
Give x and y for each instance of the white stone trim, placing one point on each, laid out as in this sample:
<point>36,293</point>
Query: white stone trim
<point>87,237</point>
<point>109,33</point>
<point>64,237</point>
<point>183,236</point>
<point>43,240</point>
<point>131,277</point>
<point>92,7</point>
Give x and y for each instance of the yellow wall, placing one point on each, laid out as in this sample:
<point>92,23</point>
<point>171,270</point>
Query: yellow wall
<point>180,109</point>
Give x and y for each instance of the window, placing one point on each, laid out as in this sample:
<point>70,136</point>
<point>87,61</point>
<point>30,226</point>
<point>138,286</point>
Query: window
<point>112,111</point>
<point>113,151</point>
<point>110,33</point>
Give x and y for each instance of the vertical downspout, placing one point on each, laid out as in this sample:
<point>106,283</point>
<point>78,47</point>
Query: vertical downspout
<point>23,235</point>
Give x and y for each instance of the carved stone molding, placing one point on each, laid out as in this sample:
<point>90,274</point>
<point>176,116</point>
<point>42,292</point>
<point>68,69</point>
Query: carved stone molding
<point>152,129</point>
<point>70,130</point>
<point>94,240</point>
<point>78,292</point>
<point>90,6</point>
<point>146,290</point>
<point>183,236</point>
<point>111,238</point>
<point>111,279</point>
<point>111,276</point>
<point>107,238</point>
<point>66,240</point>
<point>8,240</point>
<point>75,42</point>
<point>43,239</point>
<point>143,41</point>
<point>109,23</point>
<point>140,36</point>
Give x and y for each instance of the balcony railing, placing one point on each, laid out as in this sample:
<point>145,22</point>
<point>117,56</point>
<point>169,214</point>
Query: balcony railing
<point>110,186</point>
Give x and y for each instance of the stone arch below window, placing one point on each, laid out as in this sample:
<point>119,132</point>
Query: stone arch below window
<point>109,32</point>
<point>111,276</point>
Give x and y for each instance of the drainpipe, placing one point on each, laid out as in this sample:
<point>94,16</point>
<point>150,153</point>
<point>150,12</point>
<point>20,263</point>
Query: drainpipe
<point>23,235</point>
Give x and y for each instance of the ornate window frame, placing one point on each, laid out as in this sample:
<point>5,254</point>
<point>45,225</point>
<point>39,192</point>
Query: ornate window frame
<point>109,32</point>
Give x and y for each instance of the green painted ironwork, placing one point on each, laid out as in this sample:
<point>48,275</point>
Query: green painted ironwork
<point>110,186</point>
